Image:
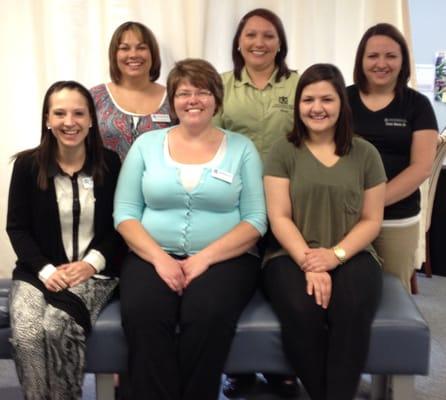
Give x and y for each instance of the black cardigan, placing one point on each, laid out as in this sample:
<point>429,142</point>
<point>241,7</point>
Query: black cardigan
<point>33,220</point>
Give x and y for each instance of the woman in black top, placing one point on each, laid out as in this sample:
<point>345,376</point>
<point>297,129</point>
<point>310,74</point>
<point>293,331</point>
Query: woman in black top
<point>61,228</point>
<point>400,122</point>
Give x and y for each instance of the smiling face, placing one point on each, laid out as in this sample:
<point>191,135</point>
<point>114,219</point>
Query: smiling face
<point>319,108</point>
<point>133,55</point>
<point>194,106</point>
<point>259,43</point>
<point>382,62</point>
<point>69,118</point>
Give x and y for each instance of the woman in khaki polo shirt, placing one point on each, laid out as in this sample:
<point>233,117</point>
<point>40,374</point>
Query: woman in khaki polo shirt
<point>259,91</point>
<point>259,102</point>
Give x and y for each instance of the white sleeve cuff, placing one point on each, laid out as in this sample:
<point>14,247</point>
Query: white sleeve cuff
<point>46,272</point>
<point>95,259</point>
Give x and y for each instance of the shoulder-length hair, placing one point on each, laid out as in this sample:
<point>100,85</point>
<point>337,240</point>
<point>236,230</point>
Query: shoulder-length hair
<point>237,58</point>
<point>390,31</point>
<point>147,38</point>
<point>46,152</point>
<point>201,74</point>
<point>343,131</point>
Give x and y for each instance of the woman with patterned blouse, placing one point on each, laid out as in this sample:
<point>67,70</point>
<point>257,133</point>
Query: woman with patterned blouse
<point>132,103</point>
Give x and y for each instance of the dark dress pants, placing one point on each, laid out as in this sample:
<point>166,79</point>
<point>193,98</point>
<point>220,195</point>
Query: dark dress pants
<point>178,344</point>
<point>327,348</point>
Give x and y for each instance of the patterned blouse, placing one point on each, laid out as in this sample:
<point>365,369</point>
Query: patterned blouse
<point>120,128</point>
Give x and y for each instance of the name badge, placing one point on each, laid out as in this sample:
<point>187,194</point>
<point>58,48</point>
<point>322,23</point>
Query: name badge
<point>160,117</point>
<point>222,175</point>
<point>87,182</point>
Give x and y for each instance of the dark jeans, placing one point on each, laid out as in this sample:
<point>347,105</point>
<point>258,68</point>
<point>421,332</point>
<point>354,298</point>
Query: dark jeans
<point>167,364</point>
<point>327,348</point>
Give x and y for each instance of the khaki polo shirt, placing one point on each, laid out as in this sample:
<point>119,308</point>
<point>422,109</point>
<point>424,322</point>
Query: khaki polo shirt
<point>262,115</point>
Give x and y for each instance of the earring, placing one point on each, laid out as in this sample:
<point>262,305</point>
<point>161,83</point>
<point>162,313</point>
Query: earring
<point>48,127</point>
<point>278,50</point>
<point>238,48</point>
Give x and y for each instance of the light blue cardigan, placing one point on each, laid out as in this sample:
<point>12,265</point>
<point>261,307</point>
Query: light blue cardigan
<point>182,222</point>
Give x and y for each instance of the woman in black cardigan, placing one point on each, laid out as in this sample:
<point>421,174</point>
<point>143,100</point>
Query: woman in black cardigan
<point>60,226</point>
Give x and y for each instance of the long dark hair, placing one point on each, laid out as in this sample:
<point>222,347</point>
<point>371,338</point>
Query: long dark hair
<point>237,58</point>
<point>45,153</point>
<point>344,131</point>
<point>382,29</point>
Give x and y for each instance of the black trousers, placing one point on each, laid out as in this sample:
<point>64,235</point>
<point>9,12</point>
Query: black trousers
<point>326,347</point>
<point>170,364</point>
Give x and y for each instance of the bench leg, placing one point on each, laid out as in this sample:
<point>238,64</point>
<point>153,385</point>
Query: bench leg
<point>403,387</point>
<point>380,385</point>
<point>105,387</point>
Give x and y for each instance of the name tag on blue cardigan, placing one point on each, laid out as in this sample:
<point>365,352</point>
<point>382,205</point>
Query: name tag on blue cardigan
<point>222,175</point>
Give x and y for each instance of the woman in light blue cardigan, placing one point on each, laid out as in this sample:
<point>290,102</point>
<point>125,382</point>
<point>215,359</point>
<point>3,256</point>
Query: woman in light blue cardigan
<point>190,205</point>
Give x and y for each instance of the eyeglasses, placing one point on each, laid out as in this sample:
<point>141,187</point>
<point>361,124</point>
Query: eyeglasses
<point>200,94</point>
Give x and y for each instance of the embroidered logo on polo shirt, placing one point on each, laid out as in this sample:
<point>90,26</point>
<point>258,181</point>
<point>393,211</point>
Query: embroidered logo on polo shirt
<point>282,104</point>
<point>283,100</point>
<point>400,122</point>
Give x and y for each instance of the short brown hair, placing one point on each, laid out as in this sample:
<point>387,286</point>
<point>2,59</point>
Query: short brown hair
<point>237,58</point>
<point>147,37</point>
<point>385,30</point>
<point>344,131</point>
<point>199,73</point>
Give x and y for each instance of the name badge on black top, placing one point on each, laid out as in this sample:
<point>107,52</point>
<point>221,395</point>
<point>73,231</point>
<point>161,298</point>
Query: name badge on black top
<point>87,182</point>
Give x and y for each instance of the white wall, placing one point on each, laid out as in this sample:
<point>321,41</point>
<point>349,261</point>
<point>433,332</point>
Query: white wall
<point>428,22</point>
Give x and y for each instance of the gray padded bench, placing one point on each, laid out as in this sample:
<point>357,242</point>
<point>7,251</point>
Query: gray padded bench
<point>399,347</point>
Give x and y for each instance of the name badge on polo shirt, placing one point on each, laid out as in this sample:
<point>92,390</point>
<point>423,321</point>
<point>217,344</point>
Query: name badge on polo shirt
<point>222,175</point>
<point>87,182</point>
<point>160,117</point>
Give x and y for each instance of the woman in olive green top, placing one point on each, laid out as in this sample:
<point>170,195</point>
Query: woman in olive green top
<point>325,198</point>
<point>259,102</point>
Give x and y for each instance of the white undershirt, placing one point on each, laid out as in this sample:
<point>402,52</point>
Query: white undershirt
<point>190,174</point>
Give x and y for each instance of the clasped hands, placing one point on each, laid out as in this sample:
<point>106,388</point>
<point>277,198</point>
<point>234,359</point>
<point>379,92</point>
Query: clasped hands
<point>69,275</point>
<point>316,263</point>
<point>178,274</point>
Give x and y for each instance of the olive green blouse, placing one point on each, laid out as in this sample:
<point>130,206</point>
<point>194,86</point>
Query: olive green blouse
<point>327,201</point>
